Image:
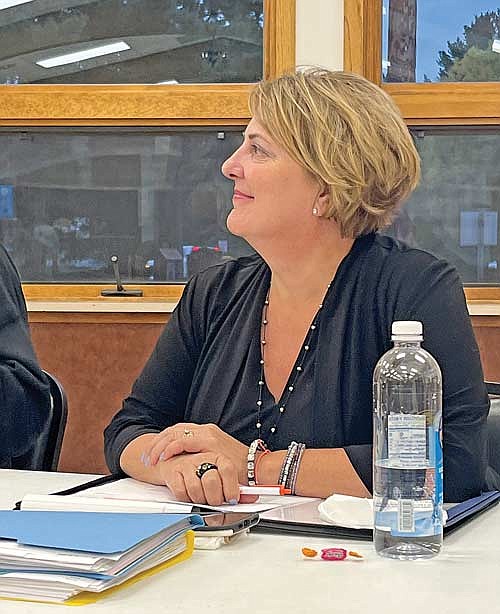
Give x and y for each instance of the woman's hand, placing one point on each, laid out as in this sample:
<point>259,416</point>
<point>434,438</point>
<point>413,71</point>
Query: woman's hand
<point>189,438</point>
<point>216,486</point>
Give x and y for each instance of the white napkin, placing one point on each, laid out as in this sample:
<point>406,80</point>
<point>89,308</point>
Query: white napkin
<point>351,512</point>
<point>346,511</point>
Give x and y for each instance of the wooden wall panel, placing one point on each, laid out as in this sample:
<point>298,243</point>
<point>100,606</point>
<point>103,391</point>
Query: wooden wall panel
<point>97,364</point>
<point>487,331</point>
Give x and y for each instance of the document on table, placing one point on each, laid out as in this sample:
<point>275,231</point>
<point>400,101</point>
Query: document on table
<point>129,495</point>
<point>54,555</point>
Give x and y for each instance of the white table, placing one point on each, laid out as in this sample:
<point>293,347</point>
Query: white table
<point>264,574</point>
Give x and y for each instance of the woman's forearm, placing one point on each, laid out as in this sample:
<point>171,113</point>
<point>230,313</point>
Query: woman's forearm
<point>132,463</point>
<point>322,472</point>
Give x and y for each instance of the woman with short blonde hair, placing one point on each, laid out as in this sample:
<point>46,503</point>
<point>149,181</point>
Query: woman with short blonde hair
<point>264,372</point>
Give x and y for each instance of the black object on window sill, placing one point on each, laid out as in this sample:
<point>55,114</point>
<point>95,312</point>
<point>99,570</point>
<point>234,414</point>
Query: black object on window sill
<point>119,290</point>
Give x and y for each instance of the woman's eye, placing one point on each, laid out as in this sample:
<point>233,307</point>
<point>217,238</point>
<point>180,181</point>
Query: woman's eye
<point>257,150</point>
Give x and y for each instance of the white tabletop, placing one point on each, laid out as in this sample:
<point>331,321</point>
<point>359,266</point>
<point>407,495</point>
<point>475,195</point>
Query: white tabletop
<point>263,574</point>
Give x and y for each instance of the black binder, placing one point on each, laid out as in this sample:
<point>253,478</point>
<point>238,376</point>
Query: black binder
<point>294,520</point>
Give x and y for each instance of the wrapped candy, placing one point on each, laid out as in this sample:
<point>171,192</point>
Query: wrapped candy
<point>331,554</point>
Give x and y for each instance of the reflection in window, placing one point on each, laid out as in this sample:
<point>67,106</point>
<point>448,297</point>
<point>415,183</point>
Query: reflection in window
<point>157,200</point>
<point>449,40</point>
<point>131,41</point>
<point>454,212</point>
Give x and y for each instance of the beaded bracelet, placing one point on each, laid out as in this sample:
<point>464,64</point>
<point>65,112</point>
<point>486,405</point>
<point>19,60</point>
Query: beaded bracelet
<point>253,448</point>
<point>257,462</point>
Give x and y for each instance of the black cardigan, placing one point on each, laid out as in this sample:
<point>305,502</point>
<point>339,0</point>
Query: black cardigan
<point>24,391</point>
<point>205,367</point>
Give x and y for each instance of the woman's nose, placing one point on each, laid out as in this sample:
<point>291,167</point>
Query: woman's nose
<point>231,168</point>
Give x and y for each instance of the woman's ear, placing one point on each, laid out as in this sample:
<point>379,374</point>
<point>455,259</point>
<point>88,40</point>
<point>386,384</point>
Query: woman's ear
<point>321,205</point>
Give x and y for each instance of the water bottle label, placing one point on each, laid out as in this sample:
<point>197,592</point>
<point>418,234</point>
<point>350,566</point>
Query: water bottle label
<point>410,488</point>
<point>407,440</point>
<point>407,517</point>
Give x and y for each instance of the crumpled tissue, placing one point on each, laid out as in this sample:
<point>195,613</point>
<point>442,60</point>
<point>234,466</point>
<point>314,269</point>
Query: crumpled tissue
<point>347,511</point>
<point>351,512</point>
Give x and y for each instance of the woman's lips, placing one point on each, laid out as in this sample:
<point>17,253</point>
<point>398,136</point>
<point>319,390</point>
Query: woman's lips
<point>241,195</point>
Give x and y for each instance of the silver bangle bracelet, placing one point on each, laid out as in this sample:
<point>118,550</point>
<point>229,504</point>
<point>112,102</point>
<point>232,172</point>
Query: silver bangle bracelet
<point>285,473</point>
<point>296,467</point>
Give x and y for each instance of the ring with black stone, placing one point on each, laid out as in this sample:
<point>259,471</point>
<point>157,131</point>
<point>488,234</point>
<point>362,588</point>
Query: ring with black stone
<point>203,468</point>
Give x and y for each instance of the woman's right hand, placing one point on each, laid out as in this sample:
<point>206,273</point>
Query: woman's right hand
<point>215,487</point>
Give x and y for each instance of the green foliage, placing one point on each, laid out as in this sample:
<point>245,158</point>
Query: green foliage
<point>476,65</point>
<point>456,51</point>
<point>470,58</point>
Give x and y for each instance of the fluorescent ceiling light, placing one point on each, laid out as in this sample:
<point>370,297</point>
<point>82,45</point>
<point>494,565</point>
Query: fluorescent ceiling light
<point>6,4</point>
<point>495,46</point>
<point>79,56</point>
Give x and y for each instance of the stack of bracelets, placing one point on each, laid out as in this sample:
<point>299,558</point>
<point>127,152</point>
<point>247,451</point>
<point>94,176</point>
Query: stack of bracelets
<point>289,468</point>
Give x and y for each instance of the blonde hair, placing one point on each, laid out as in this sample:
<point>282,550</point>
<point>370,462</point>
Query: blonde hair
<point>350,135</point>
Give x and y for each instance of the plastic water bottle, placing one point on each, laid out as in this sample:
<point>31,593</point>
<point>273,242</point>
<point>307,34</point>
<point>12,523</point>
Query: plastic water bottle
<point>407,449</point>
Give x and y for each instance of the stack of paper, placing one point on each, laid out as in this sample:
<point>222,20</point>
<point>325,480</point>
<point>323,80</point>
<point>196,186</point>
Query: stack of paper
<point>129,495</point>
<point>57,556</point>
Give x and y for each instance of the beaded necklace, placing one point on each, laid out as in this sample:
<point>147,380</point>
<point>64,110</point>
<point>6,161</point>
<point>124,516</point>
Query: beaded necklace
<point>291,385</point>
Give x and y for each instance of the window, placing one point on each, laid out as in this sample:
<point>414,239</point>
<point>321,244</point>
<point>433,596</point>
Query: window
<point>131,41</point>
<point>454,211</point>
<point>455,122</point>
<point>425,41</point>
<point>155,199</point>
<point>213,63</point>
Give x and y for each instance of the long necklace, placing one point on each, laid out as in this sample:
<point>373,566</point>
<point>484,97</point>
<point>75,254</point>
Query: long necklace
<point>292,382</point>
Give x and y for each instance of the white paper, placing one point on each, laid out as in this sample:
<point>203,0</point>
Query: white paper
<point>98,504</point>
<point>58,587</point>
<point>127,491</point>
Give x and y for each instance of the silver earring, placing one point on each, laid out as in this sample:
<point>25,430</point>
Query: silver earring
<point>315,211</point>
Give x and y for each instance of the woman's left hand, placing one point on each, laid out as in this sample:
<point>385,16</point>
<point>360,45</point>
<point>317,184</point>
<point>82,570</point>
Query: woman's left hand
<point>190,438</point>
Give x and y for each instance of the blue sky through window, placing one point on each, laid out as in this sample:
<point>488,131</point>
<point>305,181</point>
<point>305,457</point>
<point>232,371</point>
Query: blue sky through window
<point>438,21</point>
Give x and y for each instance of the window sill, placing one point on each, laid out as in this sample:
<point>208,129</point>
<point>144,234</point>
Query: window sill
<point>484,308</point>
<point>108,305</point>
<point>148,305</point>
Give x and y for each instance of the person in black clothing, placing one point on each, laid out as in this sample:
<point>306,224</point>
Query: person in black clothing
<point>24,391</point>
<point>280,347</point>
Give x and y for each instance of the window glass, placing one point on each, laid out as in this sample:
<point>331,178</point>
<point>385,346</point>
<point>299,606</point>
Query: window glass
<point>454,212</point>
<point>157,200</point>
<point>131,41</point>
<point>445,40</point>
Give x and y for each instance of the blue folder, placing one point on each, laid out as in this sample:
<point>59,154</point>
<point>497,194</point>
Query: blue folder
<point>101,532</point>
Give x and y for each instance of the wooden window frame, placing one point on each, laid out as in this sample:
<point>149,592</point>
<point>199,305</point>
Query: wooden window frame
<point>421,104</point>
<point>145,105</point>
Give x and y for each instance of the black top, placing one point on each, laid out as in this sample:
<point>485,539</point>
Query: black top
<point>24,391</point>
<point>205,367</point>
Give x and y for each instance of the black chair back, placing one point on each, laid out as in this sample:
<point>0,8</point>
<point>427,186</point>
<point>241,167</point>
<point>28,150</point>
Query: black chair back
<point>493,430</point>
<point>57,425</point>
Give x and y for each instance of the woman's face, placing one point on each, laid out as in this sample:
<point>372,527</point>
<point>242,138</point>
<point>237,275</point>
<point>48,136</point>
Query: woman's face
<point>273,195</point>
